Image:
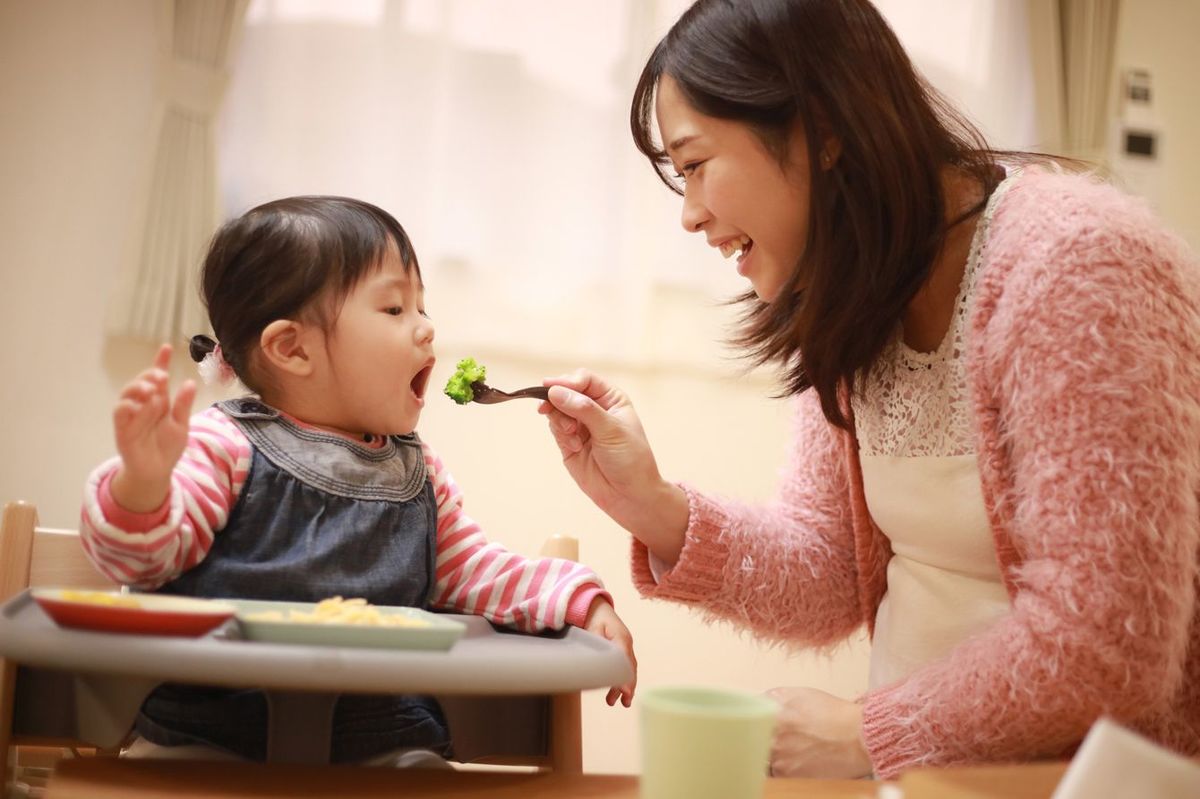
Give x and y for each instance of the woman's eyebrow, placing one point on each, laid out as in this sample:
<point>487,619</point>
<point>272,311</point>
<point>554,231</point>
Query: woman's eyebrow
<point>680,142</point>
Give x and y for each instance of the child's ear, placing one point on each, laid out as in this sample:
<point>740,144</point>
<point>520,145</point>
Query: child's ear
<point>285,345</point>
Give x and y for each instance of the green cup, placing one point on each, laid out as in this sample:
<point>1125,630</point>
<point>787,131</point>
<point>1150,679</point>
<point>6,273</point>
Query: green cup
<point>704,743</point>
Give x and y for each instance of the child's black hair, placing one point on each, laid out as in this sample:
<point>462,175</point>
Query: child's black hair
<point>299,256</point>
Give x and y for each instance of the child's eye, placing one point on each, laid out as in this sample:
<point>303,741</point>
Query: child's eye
<point>424,313</point>
<point>395,310</point>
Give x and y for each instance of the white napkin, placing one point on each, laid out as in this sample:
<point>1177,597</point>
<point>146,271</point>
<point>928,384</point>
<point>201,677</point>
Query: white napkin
<point>1115,763</point>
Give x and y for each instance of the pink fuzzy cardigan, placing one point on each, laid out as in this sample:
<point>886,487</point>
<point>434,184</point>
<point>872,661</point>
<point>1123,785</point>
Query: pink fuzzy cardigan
<point>1084,364</point>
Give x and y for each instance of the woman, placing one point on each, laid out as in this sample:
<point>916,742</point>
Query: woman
<point>997,428</point>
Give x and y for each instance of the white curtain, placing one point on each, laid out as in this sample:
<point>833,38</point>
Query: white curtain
<point>157,296</point>
<point>1088,31</point>
<point>498,134</point>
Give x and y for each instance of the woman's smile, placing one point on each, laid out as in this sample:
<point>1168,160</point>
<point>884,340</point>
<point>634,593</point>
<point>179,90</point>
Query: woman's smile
<point>743,261</point>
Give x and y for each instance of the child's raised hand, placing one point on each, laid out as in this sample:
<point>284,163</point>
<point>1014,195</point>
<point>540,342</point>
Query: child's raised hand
<point>602,620</point>
<point>151,434</point>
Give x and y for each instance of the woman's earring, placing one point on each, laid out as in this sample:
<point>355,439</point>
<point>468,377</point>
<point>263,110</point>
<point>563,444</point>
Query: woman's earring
<point>826,161</point>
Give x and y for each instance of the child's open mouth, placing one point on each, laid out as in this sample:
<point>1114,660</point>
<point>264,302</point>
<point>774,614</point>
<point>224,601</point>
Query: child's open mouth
<point>421,381</point>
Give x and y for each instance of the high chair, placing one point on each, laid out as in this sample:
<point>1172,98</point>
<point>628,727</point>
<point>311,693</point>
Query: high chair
<point>542,732</point>
<point>32,556</point>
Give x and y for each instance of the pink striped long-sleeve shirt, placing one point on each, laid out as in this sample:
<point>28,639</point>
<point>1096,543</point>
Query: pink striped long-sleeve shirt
<point>146,550</point>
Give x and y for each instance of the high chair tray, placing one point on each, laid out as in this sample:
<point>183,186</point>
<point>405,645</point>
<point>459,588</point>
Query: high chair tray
<point>493,685</point>
<point>484,660</point>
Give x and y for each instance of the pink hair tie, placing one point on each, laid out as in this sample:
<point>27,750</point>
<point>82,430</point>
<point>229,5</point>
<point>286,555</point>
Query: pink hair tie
<point>210,363</point>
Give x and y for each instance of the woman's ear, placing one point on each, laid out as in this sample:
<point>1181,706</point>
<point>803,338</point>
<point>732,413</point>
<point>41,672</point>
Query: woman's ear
<point>831,150</point>
<point>286,346</point>
<point>831,145</point>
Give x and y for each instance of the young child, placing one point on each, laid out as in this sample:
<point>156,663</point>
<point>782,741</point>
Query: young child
<point>317,485</point>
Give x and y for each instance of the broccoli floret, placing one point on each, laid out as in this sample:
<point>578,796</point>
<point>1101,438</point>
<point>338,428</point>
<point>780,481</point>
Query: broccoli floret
<point>458,387</point>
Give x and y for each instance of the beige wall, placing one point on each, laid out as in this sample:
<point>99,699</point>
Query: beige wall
<point>76,83</point>
<point>1159,35</point>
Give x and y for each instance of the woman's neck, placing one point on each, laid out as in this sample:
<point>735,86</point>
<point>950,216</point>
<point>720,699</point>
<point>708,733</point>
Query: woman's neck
<point>931,310</point>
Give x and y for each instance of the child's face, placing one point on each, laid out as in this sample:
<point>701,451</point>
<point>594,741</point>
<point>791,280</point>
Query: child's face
<point>380,352</point>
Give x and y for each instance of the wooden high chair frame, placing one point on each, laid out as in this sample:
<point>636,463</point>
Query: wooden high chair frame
<point>33,556</point>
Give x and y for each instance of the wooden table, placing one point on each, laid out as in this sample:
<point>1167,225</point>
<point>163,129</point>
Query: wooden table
<point>1031,781</point>
<point>111,778</point>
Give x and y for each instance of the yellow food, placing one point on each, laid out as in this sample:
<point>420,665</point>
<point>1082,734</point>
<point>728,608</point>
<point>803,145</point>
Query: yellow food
<point>336,610</point>
<point>99,598</point>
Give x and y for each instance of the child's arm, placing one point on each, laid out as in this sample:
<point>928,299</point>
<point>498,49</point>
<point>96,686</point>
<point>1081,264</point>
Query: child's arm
<point>602,620</point>
<point>474,576</point>
<point>140,526</point>
<point>151,433</point>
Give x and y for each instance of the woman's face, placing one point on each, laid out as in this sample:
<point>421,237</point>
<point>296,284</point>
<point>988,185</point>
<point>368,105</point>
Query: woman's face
<point>736,193</point>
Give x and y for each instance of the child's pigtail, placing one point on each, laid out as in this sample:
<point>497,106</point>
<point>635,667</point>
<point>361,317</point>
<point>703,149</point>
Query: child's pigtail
<point>212,366</point>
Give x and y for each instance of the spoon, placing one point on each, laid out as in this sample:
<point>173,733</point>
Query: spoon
<point>487,395</point>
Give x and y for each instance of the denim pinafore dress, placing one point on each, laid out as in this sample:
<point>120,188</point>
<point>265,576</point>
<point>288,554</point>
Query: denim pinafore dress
<point>318,516</point>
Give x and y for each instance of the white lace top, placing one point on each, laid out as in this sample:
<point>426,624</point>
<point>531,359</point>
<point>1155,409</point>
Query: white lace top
<point>912,418</point>
<point>918,403</point>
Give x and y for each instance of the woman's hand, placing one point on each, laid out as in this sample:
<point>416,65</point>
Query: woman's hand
<point>151,434</point>
<point>602,620</point>
<point>817,735</point>
<point>606,452</point>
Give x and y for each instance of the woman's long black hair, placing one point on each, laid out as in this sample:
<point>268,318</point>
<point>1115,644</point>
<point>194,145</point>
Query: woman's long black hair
<point>877,218</point>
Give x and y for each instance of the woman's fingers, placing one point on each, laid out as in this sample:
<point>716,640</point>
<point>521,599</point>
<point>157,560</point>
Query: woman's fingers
<point>563,424</point>
<point>558,420</point>
<point>582,408</point>
<point>568,443</point>
<point>590,385</point>
<point>566,431</point>
<point>576,380</point>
